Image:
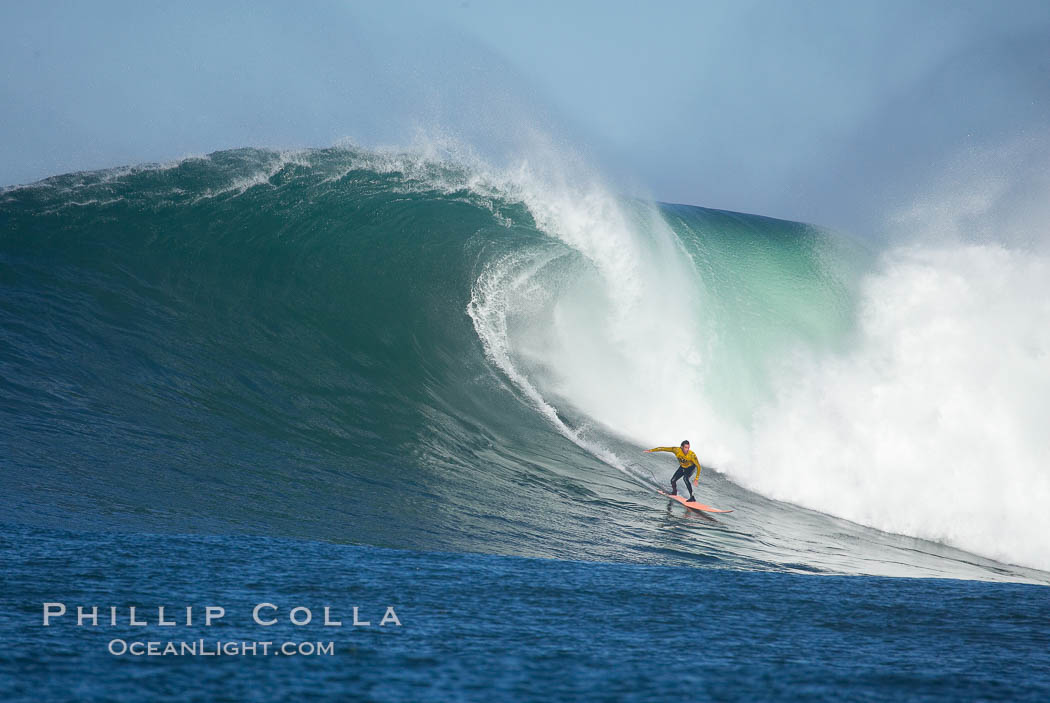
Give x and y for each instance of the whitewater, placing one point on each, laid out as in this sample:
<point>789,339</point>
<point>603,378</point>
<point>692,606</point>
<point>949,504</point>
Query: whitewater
<point>285,338</point>
<point>905,389</point>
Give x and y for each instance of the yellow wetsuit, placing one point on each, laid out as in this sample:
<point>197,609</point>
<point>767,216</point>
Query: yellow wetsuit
<point>684,460</point>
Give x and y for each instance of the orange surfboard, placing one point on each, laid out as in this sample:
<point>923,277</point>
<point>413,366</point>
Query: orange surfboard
<point>694,505</point>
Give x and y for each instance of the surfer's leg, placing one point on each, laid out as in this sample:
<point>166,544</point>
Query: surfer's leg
<point>674,481</point>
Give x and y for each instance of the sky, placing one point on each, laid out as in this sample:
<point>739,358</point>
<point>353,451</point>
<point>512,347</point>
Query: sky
<point>819,111</point>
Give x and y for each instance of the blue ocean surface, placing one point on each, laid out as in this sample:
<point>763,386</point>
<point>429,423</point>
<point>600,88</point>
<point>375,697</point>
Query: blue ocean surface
<point>345,378</point>
<point>484,627</point>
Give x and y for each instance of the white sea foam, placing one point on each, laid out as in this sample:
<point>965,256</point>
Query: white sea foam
<point>936,424</point>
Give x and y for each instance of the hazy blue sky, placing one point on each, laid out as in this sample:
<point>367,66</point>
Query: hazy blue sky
<point>806,110</point>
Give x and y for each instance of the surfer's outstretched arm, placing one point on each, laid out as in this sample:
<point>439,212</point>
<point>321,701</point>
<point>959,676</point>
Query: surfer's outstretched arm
<point>661,449</point>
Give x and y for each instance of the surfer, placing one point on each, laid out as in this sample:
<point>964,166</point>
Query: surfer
<point>686,461</point>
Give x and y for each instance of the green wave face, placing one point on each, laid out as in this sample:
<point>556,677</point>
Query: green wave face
<point>243,341</point>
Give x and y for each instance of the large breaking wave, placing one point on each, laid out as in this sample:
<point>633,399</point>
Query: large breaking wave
<point>417,350</point>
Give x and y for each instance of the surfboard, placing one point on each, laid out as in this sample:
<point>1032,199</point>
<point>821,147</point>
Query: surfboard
<point>694,505</point>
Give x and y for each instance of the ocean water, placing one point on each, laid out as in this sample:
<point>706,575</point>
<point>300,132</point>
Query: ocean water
<point>485,627</point>
<point>347,377</point>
